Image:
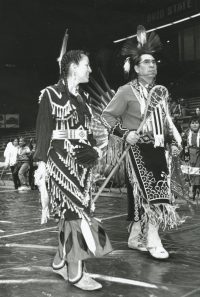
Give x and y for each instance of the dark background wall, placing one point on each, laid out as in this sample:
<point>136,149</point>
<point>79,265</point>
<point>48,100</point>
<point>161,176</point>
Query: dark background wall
<point>31,36</point>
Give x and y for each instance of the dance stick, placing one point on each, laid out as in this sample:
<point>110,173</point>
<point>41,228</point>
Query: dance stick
<point>156,94</point>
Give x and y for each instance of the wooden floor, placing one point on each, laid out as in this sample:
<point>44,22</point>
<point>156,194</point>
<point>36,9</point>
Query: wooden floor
<point>27,249</point>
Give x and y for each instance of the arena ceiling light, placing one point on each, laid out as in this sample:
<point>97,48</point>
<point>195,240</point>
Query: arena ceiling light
<point>161,27</point>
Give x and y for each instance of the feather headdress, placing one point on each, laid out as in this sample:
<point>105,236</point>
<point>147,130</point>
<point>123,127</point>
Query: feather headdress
<point>63,48</point>
<point>146,44</point>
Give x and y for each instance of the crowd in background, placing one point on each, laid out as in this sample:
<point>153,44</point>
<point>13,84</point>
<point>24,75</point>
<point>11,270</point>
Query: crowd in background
<point>190,156</point>
<point>19,157</point>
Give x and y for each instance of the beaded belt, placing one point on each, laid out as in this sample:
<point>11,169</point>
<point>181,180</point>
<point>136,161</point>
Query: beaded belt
<point>70,134</point>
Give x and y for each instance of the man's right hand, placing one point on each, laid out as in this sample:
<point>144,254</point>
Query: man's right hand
<point>132,137</point>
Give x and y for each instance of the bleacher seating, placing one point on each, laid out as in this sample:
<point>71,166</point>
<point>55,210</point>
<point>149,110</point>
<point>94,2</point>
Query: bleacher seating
<point>193,103</point>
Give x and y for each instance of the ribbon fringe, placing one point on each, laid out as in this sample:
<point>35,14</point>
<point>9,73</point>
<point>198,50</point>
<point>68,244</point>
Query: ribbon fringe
<point>63,180</point>
<point>57,193</point>
<point>164,215</point>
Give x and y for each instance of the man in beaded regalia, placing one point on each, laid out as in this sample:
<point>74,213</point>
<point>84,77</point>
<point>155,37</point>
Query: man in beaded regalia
<point>66,154</point>
<point>138,114</point>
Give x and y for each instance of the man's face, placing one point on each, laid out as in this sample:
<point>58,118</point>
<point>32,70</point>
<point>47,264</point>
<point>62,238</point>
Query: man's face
<point>147,67</point>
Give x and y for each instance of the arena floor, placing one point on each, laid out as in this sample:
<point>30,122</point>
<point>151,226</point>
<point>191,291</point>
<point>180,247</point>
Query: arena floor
<point>27,249</point>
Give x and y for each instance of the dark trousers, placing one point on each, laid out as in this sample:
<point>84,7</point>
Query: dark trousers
<point>21,170</point>
<point>15,177</point>
<point>31,176</point>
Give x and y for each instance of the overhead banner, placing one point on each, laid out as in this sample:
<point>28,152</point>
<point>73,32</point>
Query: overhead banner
<point>171,12</point>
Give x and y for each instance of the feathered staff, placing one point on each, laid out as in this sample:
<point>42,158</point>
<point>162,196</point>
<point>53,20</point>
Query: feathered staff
<point>63,48</point>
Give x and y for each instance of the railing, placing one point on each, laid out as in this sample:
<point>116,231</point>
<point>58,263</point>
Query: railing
<point>193,103</point>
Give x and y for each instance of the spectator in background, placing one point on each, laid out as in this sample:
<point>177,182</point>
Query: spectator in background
<point>197,112</point>
<point>183,107</point>
<point>175,109</point>
<point>191,141</point>
<point>23,164</point>
<point>33,166</point>
<point>10,155</point>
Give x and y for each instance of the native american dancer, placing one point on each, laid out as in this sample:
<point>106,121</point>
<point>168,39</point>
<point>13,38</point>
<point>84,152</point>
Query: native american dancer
<point>66,151</point>
<point>150,201</point>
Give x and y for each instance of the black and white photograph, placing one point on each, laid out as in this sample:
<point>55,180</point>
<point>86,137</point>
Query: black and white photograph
<point>100,148</point>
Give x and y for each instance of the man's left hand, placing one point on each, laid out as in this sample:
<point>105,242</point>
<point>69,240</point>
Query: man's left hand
<point>175,150</point>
